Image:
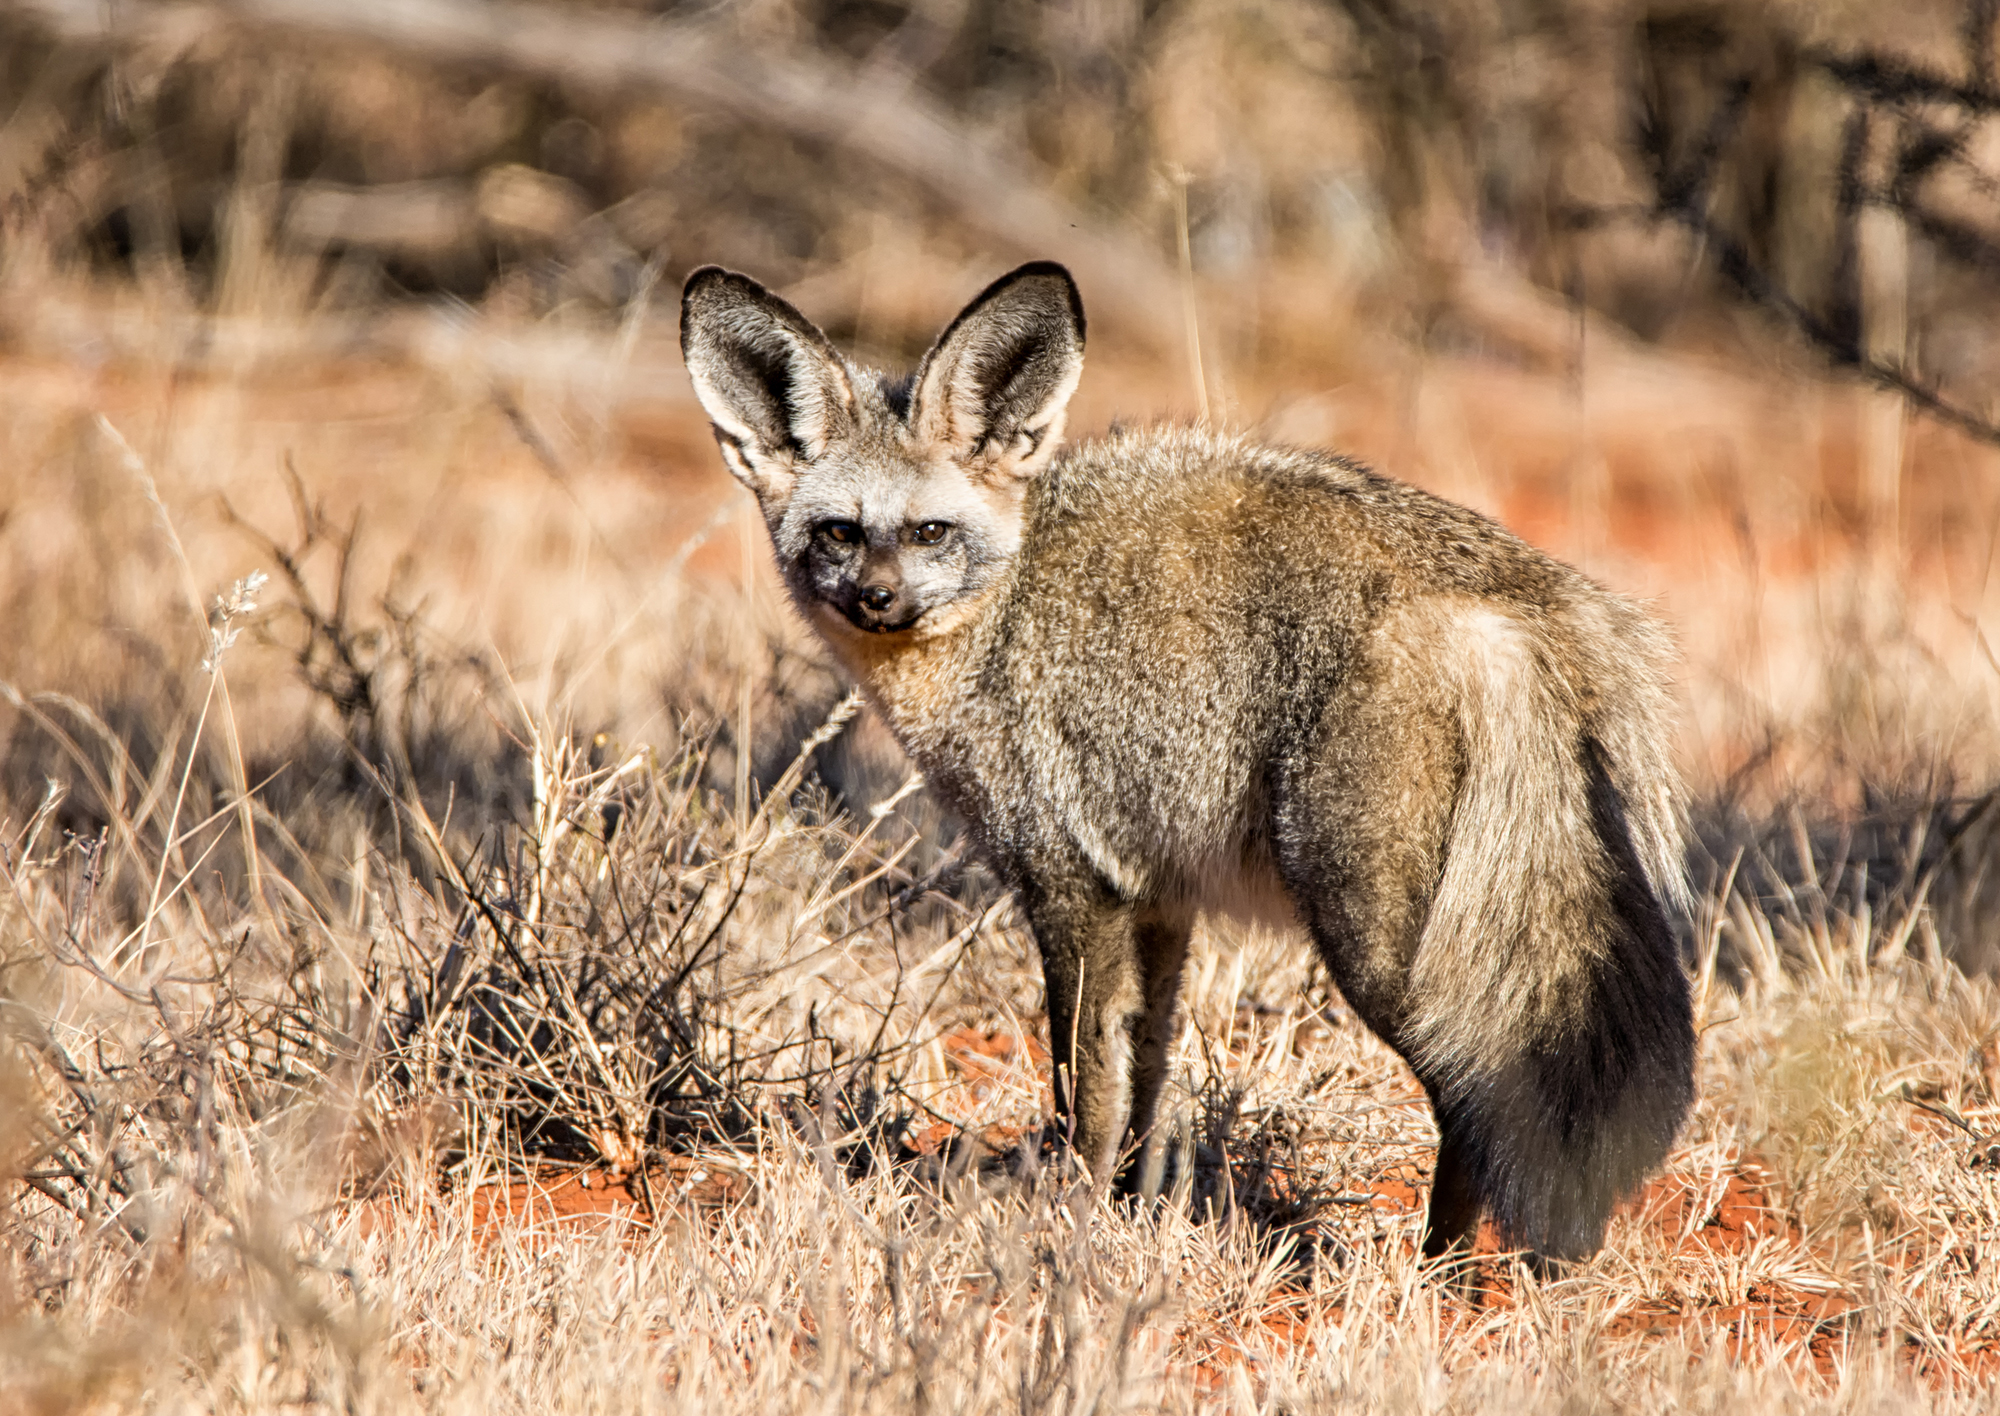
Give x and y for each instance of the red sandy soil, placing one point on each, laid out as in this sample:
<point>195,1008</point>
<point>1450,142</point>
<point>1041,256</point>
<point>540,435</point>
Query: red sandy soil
<point>592,1197</point>
<point>1687,1220</point>
<point>1679,1215</point>
<point>1795,1324</point>
<point>981,1058</point>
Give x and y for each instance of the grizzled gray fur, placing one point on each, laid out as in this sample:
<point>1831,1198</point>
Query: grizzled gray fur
<point>1174,670</point>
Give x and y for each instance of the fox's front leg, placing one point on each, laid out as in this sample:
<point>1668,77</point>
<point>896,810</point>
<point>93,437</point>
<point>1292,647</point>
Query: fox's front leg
<point>1096,999</point>
<point>1161,944</point>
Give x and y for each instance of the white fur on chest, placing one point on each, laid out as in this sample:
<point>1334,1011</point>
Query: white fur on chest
<point>1250,893</point>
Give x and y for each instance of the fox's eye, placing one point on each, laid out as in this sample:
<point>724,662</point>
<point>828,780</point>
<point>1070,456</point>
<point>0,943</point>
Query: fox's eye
<point>845,532</point>
<point>931,532</point>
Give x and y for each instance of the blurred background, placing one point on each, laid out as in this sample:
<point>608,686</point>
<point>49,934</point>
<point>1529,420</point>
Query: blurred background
<point>381,299</point>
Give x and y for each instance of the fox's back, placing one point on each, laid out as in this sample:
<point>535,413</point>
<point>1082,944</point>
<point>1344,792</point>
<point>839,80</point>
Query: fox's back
<point>1171,514</point>
<point>1189,611</point>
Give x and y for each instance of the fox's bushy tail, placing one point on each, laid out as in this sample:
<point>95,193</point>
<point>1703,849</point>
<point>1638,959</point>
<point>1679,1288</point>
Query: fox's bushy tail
<point>1551,1015</point>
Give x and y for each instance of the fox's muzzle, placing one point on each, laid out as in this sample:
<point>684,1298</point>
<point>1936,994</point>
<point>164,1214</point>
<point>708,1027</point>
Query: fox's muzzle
<point>880,603</point>
<point>885,615</point>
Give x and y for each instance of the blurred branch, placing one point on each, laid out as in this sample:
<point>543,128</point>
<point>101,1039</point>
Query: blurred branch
<point>1882,79</point>
<point>863,112</point>
<point>1879,87</point>
<point>1734,261</point>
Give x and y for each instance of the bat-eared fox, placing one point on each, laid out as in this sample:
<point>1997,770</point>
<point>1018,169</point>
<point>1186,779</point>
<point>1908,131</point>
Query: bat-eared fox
<point>1173,670</point>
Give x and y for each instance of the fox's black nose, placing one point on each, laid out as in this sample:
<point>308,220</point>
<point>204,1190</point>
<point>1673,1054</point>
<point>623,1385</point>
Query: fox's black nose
<point>878,597</point>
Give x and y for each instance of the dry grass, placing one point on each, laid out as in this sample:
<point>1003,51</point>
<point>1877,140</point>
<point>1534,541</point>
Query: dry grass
<point>255,1151</point>
<point>490,858</point>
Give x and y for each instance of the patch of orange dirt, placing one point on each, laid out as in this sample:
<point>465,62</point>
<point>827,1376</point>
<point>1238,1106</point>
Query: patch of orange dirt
<point>1969,1363</point>
<point>1678,1215</point>
<point>1277,1328</point>
<point>577,1198</point>
<point>977,1053</point>
<point>555,1200</point>
<point>1684,1218</point>
<point>979,1058</point>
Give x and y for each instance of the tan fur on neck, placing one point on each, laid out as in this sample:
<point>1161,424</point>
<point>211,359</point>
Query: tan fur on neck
<point>915,676</point>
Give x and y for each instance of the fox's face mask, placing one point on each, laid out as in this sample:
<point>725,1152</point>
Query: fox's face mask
<point>887,500</point>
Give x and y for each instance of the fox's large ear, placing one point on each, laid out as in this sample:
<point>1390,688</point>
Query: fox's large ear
<point>992,392</point>
<point>772,385</point>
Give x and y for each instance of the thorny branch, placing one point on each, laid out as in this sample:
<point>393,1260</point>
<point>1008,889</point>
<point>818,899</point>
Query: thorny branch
<point>1885,94</point>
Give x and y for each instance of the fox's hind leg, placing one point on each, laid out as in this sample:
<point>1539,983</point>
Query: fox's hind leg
<point>1364,894</point>
<point>1360,817</point>
<point>1452,1220</point>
